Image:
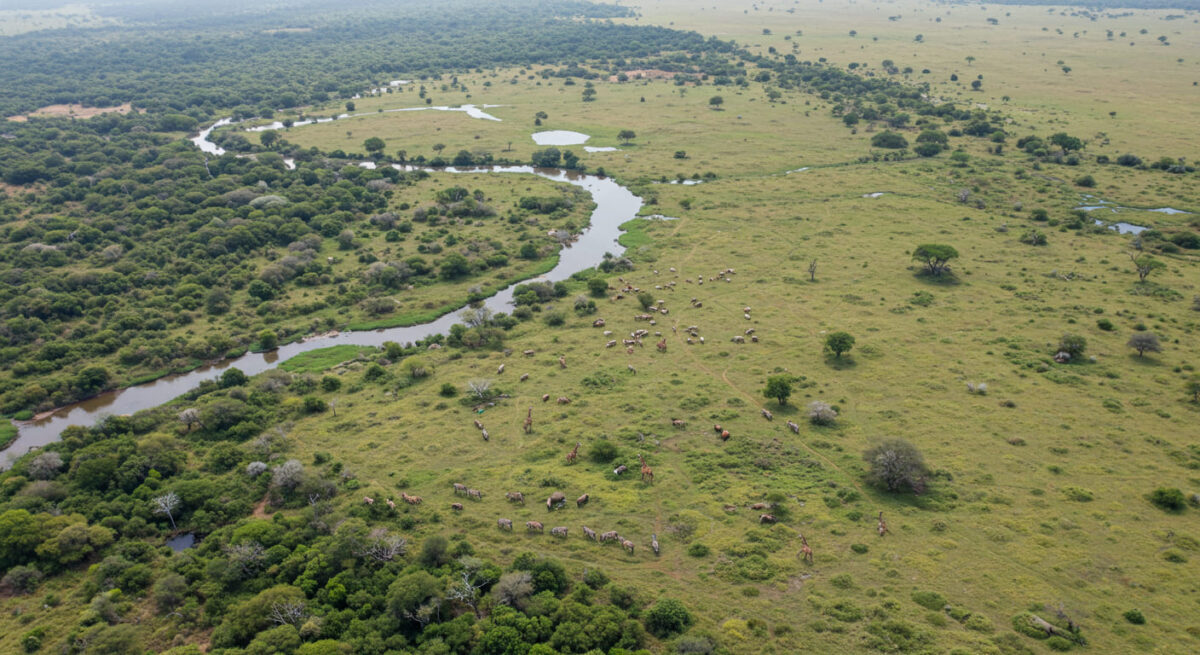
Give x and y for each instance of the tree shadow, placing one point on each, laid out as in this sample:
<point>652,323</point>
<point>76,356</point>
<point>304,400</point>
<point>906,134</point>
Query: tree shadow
<point>947,279</point>
<point>1144,360</point>
<point>842,363</point>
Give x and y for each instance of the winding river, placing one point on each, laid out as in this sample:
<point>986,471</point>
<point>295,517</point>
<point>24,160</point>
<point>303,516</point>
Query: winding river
<point>615,204</point>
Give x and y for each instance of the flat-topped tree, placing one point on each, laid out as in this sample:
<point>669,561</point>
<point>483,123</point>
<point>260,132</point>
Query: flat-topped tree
<point>1143,342</point>
<point>1145,265</point>
<point>626,136</point>
<point>935,256</point>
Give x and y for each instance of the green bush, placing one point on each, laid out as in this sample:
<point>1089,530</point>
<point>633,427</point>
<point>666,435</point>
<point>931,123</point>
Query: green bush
<point>603,451</point>
<point>698,550</point>
<point>1105,324</point>
<point>1134,616</point>
<point>929,599</point>
<point>1169,499</point>
<point>1059,643</point>
<point>861,549</point>
<point>448,390</point>
<point>667,617</point>
<point>845,611</point>
<point>979,623</point>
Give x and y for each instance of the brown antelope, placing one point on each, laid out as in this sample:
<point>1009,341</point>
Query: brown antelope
<point>528,427</point>
<point>460,488</point>
<point>391,503</point>
<point>534,526</point>
<point>524,377</point>
<point>562,362</point>
<point>478,425</point>
<point>529,353</point>
<point>598,323</point>
<point>882,527</point>
<point>794,427</point>
<point>475,493</point>
<point>628,545</point>
<point>768,415</point>
<point>368,500</point>
<point>571,456</point>
<point>647,472</point>
<point>654,543</point>
<point>766,518</point>
<point>806,553</point>
<point>761,506</point>
<point>606,537</point>
<point>620,469</point>
<point>717,429</point>
<point>515,496</point>
<point>563,400</point>
<point>678,422</point>
<point>581,501</point>
<point>556,499</point>
<point>724,435</point>
<point>589,533</point>
<point>545,397</point>
<point>456,507</point>
<point>729,508</point>
<point>411,500</point>
<point>662,346</point>
<point>560,531</point>
<point>505,524</point>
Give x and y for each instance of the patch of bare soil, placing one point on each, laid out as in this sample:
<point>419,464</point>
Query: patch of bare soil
<point>645,74</point>
<point>77,111</point>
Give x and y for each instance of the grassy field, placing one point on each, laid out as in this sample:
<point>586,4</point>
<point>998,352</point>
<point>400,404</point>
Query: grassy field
<point>1039,497</point>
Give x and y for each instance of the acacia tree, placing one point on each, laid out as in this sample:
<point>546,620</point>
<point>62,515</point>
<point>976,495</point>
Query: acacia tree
<point>1145,265</point>
<point>626,136</point>
<point>936,257</point>
<point>1144,341</point>
<point>779,387</point>
<point>896,465</point>
<point>839,342</point>
<point>715,102</point>
<point>374,145</point>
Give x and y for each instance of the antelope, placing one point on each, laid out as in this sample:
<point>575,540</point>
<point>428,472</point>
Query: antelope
<point>608,333</point>
<point>559,532</point>
<point>534,526</point>
<point>747,316</point>
<point>589,533</point>
<point>738,339</point>
<point>724,435</point>
<point>882,527</point>
<point>524,377</point>
<point>368,500</point>
<point>754,339</point>
<point>610,344</point>
<point>478,425</point>
<point>391,504</point>
<point>749,331</point>
<point>794,427</point>
<point>563,400</point>
<point>620,469</point>
<point>556,499</point>
<point>678,422</point>
<point>515,496</point>
<point>628,545</point>
<point>768,415</point>
<point>662,346</point>
<point>505,524</point>
<point>647,472</point>
<point>806,553</point>
<point>456,507</point>
<point>528,353</point>
<point>631,368</point>
<point>746,309</point>
<point>562,362</point>
<point>654,543</point>
<point>598,323</point>
<point>766,518</point>
<point>460,488</point>
<point>608,536</point>
<point>411,500</point>
<point>581,501</point>
<point>500,369</point>
<point>760,506</point>
<point>475,493</point>
<point>545,397</point>
<point>689,341</point>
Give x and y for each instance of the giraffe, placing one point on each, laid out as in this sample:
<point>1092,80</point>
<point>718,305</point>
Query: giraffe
<point>647,472</point>
<point>573,454</point>
<point>529,421</point>
<point>883,529</point>
<point>805,552</point>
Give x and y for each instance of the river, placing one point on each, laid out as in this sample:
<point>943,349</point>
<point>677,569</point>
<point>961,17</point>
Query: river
<point>615,204</point>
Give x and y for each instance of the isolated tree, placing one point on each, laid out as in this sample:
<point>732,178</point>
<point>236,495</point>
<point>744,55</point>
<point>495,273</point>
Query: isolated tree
<point>891,140</point>
<point>166,504</point>
<point>439,147</point>
<point>1145,265</point>
<point>839,342</point>
<point>1066,142</point>
<point>970,59</point>
<point>779,387</point>
<point>646,299</point>
<point>812,271</point>
<point>1143,342</point>
<point>374,145</point>
<point>715,102</point>
<point>1193,388</point>
<point>268,138</point>
<point>268,340</point>
<point>936,256</point>
<point>896,465</point>
<point>626,136</point>
<point>1072,344</point>
<point>821,413</point>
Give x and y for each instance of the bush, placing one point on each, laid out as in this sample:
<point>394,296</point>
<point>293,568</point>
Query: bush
<point>1059,643</point>
<point>1086,181</point>
<point>896,465</point>
<point>603,451</point>
<point>330,383</point>
<point>1034,238</point>
<point>21,579</point>
<point>979,623</point>
<point>555,319</point>
<point>448,390</point>
<point>1169,499</point>
<point>890,140</point>
<point>667,617</point>
<point>821,413</point>
<point>930,600</point>
<point>597,286</point>
<point>1134,616</point>
<point>1105,324</point>
<point>1072,344</point>
<point>698,550</point>
<point>861,549</point>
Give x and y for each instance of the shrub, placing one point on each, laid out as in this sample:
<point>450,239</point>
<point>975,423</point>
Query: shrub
<point>821,413</point>
<point>930,600</point>
<point>330,383</point>
<point>1105,324</point>
<point>21,579</point>
<point>698,550</point>
<point>694,644</point>
<point>1169,499</point>
<point>667,617</point>
<point>603,451</point>
<point>842,581</point>
<point>889,140</point>
<point>845,611</point>
<point>896,465</point>
<point>861,549</point>
<point>555,319</point>
<point>1034,238</point>
<point>1086,181</point>
<point>1059,643</point>
<point>1077,494</point>
<point>1134,616</point>
<point>979,623</point>
<point>448,390</point>
<point>1072,344</point>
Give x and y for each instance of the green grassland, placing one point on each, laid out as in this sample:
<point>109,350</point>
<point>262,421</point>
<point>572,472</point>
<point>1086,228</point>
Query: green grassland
<point>1038,496</point>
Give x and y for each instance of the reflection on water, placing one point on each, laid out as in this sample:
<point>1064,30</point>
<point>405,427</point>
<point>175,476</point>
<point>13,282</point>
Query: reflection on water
<point>182,542</point>
<point>559,138</point>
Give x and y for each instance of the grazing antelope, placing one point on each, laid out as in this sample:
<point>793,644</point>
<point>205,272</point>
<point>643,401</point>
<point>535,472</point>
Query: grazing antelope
<point>746,309</point>
<point>768,415</point>
<point>528,427</point>
<point>628,350</point>
<point>563,400</point>
<point>571,456</point>
<point>534,526</point>
<point>647,472</point>
<point>505,524</point>
<point>608,333</point>
<point>475,493</point>
<point>760,506</point>
<point>608,536</point>
<point>368,500</point>
<point>485,435</point>
<point>806,553</point>
<point>766,518</point>
<point>562,362</point>
<point>545,398</point>
<point>747,316</point>
<point>738,339</point>
<point>654,543</point>
<point>515,496</point>
<point>598,323</point>
<point>581,501</point>
<point>678,422</point>
<point>456,507</point>
<point>529,353</point>
<point>460,488</point>
<point>717,428</point>
<point>620,469</point>
<point>749,331</point>
<point>610,344</point>
<point>628,545</point>
<point>556,499</point>
<point>500,369</point>
<point>411,500</point>
<point>478,425</point>
<point>689,341</point>
<point>662,346</point>
<point>882,527</point>
<point>724,435</point>
<point>391,503</point>
<point>794,427</point>
<point>589,533</point>
<point>559,532</point>
<point>524,377</point>
<point>631,368</point>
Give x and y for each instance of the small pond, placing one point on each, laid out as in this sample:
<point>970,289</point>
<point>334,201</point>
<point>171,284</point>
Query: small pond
<point>182,542</point>
<point>559,138</point>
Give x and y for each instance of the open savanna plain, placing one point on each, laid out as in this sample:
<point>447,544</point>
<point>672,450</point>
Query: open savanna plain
<point>1041,472</point>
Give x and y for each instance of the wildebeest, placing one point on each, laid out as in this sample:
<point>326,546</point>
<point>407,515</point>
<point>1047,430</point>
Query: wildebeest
<point>738,339</point>
<point>485,435</point>
<point>478,425</point>
<point>505,524</point>
<point>460,488</point>
<point>545,397</point>
<point>456,506</point>
<point>581,501</point>
<point>559,531</point>
<point>768,415</point>
<point>557,498</point>
<point>766,518</point>
<point>475,493</point>
<point>524,377</point>
<point>654,543</point>
<point>620,469</point>
<point>793,426</point>
<point>608,536</point>
<point>500,369</point>
<point>628,545</point>
<point>589,533</point>
<point>534,526</point>
<point>678,422</point>
<point>515,496</point>
<point>563,400</point>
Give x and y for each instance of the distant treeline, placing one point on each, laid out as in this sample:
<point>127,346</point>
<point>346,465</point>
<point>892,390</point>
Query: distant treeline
<point>1190,5</point>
